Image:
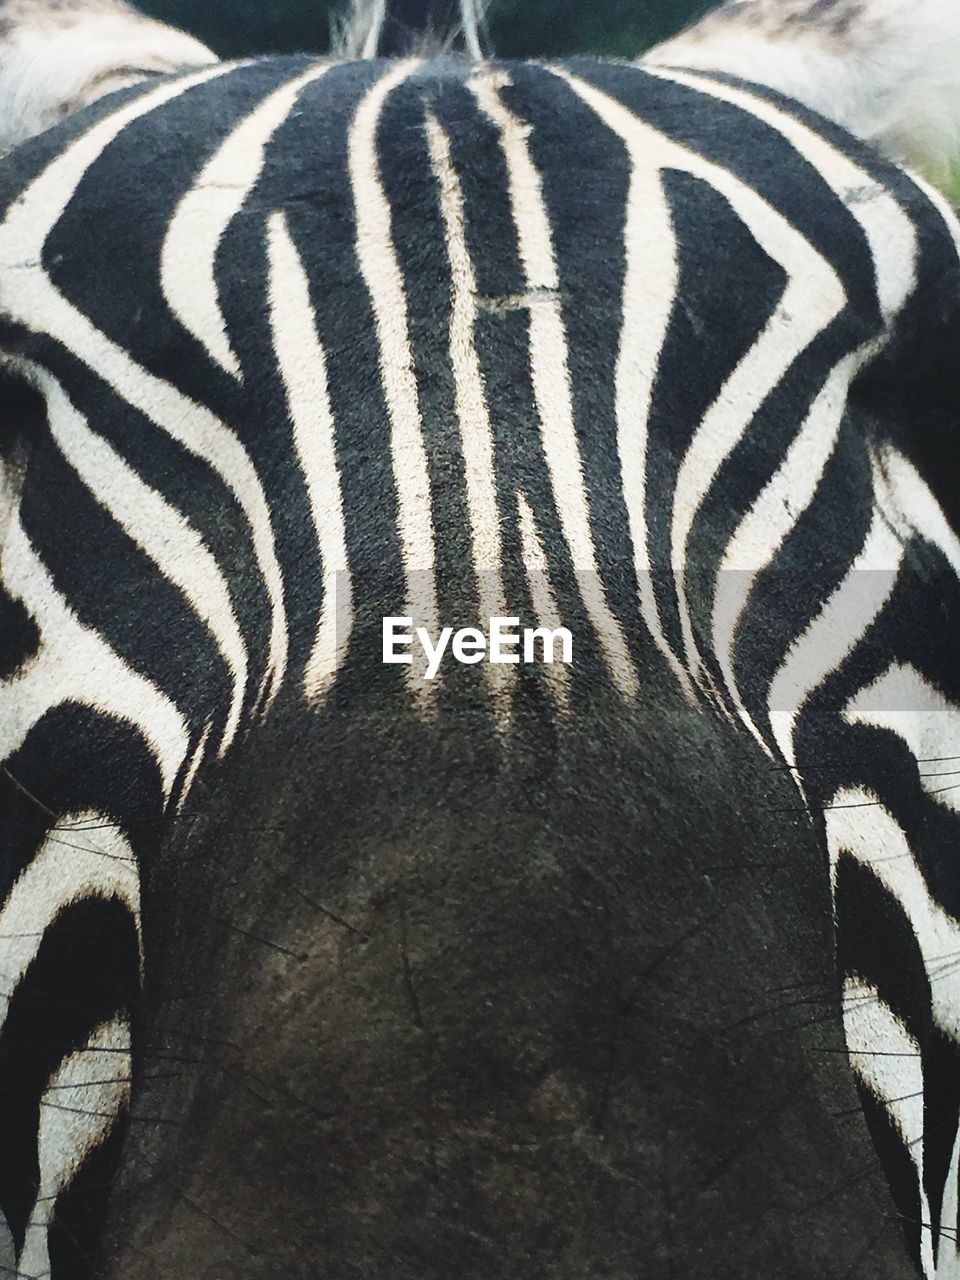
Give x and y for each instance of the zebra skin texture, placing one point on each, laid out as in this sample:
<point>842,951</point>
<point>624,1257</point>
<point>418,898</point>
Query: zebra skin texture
<point>315,967</point>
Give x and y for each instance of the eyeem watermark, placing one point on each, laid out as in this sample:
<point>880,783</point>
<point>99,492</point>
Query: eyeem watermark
<point>503,642</point>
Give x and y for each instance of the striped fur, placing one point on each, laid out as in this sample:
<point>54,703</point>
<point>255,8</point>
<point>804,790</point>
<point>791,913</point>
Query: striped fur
<point>884,70</point>
<point>425,339</point>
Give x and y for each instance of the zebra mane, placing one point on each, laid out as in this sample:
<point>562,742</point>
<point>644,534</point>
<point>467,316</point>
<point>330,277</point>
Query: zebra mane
<point>372,28</point>
<point>884,69</point>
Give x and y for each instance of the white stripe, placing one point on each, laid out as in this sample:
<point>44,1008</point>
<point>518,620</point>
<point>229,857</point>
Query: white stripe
<point>543,599</point>
<point>83,856</point>
<point>31,298</point>
<point>649,292</point>
<point>193,768</point>
<point>857,824</point>
<point>887,1059</point>
<point>903,702</point>
<point>158,529</point>
<point>84,1100</point>
<point>551,375</point>
<point>904,507</point>
<point>834,633</point>
<point>381,272</point>
<point>190,424</point>
<point>473,415</point>
<point>472,12</point>
<point>302,364</point>
<point>909,504</point>
<point>948,1253</point>
<point>889,232</point>
<point>372,42</point>
<point>74,664</point>
<point>765,527</point>
<point>40,206</point>
<point>813,297</point>
<point>189,253</point>
<point>534,233</point>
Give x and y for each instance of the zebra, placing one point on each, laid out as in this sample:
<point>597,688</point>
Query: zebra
<point>315,967</point>
<point>56,58</point>
<point>885,71</point>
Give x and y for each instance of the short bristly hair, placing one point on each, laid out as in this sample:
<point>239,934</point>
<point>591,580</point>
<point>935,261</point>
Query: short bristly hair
<point>887,70</point>
<point>378,28</point>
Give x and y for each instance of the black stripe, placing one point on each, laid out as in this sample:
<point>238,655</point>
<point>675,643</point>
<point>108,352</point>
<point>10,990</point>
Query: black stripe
<point>150,166</point>
<point>758,156</point>
<point>876,941</point>
<point>86,972</point>
<point>727,289</point>
<point>419,239</point>
<point>117,592</point>
<point>590,270</point>
<point>73,1239</point>
<point>77,760</point>
<point>323,228</point>
<point>813,560</point>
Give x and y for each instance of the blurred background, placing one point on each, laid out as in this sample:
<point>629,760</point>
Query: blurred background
<point>517,27</point>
